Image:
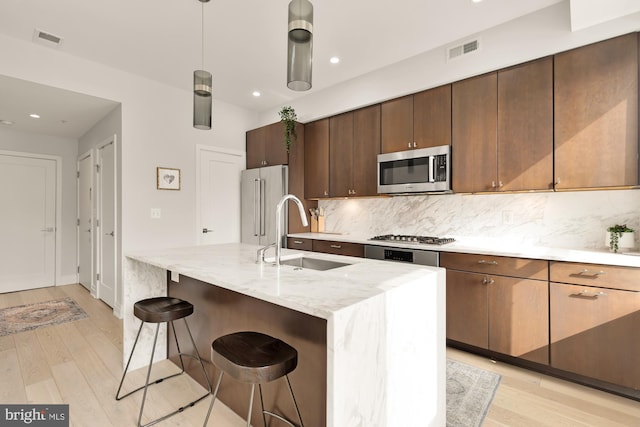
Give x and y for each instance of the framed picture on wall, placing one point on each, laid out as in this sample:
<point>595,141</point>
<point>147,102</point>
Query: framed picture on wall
<point>168,178</point>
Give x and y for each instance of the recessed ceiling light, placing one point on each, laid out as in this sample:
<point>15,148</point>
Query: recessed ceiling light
<point>6,122</point>
<point>334,60</point>
<point>35,116</point>
<point>256,93</point>
<point>476,1</point>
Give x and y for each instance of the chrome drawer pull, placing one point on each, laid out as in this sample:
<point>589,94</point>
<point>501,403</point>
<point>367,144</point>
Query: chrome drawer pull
<point>297,242</point>
<point>591,294</point>
<point>482,261</point>
<point>487,281</point>
<point>336,246</point>
<point>587,272</point>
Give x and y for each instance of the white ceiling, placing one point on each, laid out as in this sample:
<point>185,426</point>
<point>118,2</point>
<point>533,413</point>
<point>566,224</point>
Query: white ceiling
<point>246,41</point>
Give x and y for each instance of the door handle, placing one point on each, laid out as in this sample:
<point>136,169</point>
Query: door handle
<point>47,230</point>
<point>204,230</point>
<point>109,234</point>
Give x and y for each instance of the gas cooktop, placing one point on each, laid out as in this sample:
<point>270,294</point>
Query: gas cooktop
<point>429,240</point>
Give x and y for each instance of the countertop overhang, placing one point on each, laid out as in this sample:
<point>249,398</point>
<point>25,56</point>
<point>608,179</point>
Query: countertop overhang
<point>319,293</point>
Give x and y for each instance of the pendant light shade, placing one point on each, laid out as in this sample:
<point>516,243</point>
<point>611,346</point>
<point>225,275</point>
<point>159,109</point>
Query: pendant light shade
<point>299,58</point>
<point>202,83</point>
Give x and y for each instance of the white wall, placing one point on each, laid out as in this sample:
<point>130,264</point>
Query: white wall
<point>67,149</point>
<point>156,131</point>
<point>536,35</point>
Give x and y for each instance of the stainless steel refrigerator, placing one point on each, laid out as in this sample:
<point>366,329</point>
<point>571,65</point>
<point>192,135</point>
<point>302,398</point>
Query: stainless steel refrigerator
<point>261,190</point>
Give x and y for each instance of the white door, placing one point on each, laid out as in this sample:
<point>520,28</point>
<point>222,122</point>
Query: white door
<point>219,195</point>
<point>85,224</point>
<point>27,222</point>
<point>107,224</point>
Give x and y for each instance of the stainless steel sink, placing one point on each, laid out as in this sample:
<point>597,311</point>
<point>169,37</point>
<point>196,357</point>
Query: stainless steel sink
<point>313,263</point>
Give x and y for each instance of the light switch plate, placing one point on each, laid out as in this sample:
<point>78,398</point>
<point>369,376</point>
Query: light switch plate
<point>156,213</point>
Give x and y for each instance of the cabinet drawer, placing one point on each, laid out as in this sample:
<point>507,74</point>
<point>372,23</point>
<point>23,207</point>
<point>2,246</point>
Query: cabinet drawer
<point>338,248</point>
<point>605,276</point>
<point>594,333</point>
<point>298,243</point>
<point>489,264</point>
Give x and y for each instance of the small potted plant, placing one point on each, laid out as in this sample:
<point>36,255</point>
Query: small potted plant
<point>620,236</point>
<point>288,118</point>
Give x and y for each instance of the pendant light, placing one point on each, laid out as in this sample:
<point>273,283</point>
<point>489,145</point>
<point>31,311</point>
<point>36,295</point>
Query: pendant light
<point>202,82</point>
<point>299,58</point>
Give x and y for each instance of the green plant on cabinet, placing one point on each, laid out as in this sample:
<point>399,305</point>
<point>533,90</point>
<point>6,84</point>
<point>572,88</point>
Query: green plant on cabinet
<point>288,118</point>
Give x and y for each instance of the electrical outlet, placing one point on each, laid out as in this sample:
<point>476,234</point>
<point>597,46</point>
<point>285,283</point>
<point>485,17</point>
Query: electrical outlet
<point>507,217</point>
<point>156,213</point>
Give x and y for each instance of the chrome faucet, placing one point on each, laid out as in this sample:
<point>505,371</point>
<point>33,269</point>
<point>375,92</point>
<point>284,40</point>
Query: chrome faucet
<point>279,236</point>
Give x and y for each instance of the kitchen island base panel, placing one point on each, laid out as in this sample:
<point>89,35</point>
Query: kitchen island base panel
<point>219,311</point>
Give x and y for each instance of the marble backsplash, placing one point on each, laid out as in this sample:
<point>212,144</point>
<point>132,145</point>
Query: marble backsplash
<point>564,219</point>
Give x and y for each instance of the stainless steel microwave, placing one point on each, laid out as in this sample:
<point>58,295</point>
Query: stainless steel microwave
<point>424,170</point>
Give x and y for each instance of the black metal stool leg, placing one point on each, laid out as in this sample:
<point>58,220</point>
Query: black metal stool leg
<point>127,366</point>
<point>294,401</point>
<point>195,349</point>
<point>264,418</point>
<point>146,384</point>
<point>253,391</point>
<point>280,417</point>
<point>175,337</point>
<point>215,393</point>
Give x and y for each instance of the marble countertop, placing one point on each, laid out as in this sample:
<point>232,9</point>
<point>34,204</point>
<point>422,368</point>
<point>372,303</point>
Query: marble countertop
<point>318,293</point>
<point>496,247</point>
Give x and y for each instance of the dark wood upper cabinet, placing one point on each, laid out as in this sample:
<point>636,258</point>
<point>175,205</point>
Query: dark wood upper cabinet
<point>316,159</point>
<point>340,154</point>
<point>417,121</point>
<point>525,126</point>
<point>596,115</point>
<point>432,117</point>
<point>296,182</point>
<point>397,124</point>
<point>354,146</point>
<point>265,146</point>
<point>503,130</point>
<point>366,147</point>
<point>474,137</point>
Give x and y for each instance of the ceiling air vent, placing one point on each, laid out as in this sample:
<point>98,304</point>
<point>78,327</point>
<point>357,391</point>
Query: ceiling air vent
<point>47,39</point>
<point>463,49</point>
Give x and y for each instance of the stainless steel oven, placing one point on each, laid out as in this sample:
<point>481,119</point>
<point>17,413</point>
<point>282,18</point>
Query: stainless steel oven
<point>414,256</point>
<point>424,170</point>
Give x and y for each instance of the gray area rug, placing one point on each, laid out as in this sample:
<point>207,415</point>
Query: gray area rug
<point>32,316</point>
<point>470,391</point>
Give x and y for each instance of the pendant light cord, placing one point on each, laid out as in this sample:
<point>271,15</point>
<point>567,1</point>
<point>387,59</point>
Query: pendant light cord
<point>202,35</point>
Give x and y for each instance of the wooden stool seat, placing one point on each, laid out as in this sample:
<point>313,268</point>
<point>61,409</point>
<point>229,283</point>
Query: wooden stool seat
<point>162,309</point>
<point>253,357</point>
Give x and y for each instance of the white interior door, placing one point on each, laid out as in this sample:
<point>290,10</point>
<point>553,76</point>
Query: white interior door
<point>219,196</point>
<point>27,222</point>
<point>107,225</point>
<point>85,223</point>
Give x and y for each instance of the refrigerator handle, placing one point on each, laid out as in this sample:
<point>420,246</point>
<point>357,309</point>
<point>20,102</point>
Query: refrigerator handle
<point>262,207</point>
<point>256,206</point>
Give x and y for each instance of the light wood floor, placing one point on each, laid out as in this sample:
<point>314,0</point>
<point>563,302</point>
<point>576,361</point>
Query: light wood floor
<point>80,363</point>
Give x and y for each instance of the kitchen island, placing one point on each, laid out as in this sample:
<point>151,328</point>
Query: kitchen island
<point>384,325</point>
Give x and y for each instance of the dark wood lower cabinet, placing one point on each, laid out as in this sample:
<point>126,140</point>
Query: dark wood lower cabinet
<point>508,315</point>
<point>219,311</point>
<point>595,332</point>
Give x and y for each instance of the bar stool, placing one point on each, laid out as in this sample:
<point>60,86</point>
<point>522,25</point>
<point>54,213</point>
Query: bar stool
<point>162,310</point>
<point>254,358</point>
